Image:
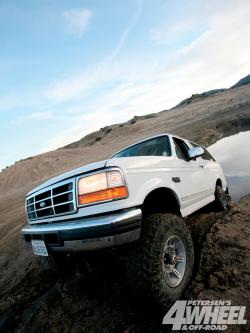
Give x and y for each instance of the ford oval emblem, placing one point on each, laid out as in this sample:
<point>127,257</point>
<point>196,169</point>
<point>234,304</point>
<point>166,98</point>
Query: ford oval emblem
<point>42,204</point>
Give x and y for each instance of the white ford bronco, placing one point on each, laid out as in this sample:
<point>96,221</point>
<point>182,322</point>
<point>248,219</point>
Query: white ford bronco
<point>139,195</point>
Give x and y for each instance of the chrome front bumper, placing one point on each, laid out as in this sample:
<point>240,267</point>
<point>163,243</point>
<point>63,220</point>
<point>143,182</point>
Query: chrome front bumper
<point>86,234</point>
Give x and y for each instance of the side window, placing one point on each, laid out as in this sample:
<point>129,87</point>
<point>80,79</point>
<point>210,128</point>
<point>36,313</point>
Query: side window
<point>159,146</point>
<point>181,149</point>
<point>206,156</point>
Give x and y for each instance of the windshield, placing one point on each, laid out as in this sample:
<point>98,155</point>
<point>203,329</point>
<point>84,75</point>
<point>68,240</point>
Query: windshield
<point>159,146</point>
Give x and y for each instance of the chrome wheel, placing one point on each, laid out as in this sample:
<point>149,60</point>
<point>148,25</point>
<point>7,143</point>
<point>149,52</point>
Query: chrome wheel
<point>174,261</point>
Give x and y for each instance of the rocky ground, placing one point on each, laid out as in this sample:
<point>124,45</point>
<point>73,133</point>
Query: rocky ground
<point>95,297</point>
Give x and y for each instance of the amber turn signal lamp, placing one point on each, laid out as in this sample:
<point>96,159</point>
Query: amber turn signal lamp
<point>103,195</point>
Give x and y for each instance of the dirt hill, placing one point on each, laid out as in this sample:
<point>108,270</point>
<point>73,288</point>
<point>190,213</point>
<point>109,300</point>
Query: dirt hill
<point>77,301</point>
<point>245,80</point>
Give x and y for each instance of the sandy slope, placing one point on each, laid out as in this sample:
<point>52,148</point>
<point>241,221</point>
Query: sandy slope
<point>61,299</point>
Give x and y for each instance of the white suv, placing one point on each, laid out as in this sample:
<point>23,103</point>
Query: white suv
<point>138,195</point>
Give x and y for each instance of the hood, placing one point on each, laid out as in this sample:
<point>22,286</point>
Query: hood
<point>70,174</point>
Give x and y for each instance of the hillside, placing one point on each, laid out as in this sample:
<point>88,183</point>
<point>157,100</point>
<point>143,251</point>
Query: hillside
<point>204,121</point>
<point>197,97</point>
<point>242,82</point>
<point>29,293</point>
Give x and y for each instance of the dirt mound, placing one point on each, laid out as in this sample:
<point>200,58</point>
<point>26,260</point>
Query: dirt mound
<point>245,80</point>
<point>205,118</point>
<point>96,298</point>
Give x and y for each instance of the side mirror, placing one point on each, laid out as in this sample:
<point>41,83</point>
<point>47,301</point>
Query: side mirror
<point>195,152</point>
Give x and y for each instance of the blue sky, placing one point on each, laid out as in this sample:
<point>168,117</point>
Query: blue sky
<point>70,67</point>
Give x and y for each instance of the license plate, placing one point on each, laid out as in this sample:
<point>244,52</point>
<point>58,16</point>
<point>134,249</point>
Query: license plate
<point>39,248</point>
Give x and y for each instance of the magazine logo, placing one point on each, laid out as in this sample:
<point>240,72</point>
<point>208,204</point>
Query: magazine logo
<point>204,315</point>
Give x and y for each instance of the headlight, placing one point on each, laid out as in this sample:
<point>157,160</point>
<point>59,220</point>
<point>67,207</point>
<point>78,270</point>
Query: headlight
<point>103,186</point>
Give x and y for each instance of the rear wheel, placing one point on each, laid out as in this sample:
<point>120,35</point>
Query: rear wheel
<point>221,199</point>
<point>160,268</point>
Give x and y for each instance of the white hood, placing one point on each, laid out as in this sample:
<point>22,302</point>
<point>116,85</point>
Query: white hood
<point>72,173</point>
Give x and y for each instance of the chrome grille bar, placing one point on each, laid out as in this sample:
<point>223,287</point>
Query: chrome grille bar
<point>55,200</point>
<point>61,204</point>
<point>50,197</point>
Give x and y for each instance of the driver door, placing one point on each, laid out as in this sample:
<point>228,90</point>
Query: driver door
<point>192,184</point>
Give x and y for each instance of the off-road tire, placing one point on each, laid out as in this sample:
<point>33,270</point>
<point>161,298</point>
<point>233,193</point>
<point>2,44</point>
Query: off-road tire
<point>222,200</point>
<point>144,264</point>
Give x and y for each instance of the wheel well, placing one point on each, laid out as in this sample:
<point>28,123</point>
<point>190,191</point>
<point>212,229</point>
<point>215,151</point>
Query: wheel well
<point>161,200</point>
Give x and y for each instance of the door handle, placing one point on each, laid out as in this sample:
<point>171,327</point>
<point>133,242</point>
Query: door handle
<point>176,179</point>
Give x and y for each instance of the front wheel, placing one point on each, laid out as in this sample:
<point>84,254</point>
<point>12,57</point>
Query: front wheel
<point>160,268</point>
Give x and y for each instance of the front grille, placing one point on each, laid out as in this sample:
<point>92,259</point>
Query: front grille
<point>58,199</point>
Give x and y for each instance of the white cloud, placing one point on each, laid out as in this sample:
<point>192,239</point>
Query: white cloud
<point>71,87</point>
<point>40,115</point>
<point>66,89</point>
<point>78,127</point>
<point>216,59</point>
<point>37,116</point>
<point>125,33</point>
<point>77,20</point>
<point>167,33</point>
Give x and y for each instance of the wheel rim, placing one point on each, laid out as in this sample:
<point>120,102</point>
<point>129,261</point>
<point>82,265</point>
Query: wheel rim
<point>174,261</point>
